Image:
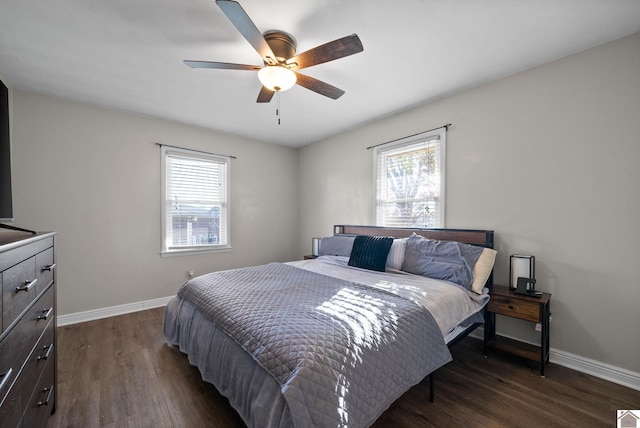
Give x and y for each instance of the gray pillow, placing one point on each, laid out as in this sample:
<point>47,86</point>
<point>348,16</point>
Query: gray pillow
<point>447,260</point>
<point>336,246</point>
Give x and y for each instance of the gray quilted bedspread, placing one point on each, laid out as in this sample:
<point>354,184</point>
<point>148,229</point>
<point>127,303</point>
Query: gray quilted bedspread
<point>342,352</point>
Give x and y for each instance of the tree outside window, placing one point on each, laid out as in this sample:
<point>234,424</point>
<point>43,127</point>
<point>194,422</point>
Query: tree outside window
<point>409,182</point>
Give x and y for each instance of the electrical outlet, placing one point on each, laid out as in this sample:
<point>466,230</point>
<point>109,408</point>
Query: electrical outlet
<point>538,326</point>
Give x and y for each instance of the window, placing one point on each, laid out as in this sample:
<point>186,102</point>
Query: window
<point>409,181</point>
<point>195,201</point>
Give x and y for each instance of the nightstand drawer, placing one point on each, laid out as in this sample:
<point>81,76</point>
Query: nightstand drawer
<point>522,309</point>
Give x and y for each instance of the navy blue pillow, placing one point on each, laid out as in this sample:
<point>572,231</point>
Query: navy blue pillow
<point>370,252</point>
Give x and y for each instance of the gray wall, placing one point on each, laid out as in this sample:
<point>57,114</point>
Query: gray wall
<point>93,175</point>
<point>548,158</point>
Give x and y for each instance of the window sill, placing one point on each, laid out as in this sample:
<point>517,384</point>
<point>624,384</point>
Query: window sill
<point>194,251</point>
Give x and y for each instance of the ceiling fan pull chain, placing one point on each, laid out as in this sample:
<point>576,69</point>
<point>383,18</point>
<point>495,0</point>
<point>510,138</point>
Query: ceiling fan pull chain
<point>278,106</point>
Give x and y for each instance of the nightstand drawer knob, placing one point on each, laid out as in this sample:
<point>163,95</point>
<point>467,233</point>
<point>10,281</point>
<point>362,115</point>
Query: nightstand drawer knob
<point>511,307</point>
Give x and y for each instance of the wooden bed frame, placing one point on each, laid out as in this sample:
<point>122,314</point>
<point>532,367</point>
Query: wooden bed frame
<point>482,238</point>
<point>479,237</point>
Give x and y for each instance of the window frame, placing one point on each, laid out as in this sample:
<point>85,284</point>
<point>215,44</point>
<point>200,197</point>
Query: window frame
<point>168,250</point>
<point>424,137</point>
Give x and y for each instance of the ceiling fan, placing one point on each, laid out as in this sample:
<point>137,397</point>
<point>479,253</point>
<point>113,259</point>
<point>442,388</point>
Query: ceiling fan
<point>278,51</point>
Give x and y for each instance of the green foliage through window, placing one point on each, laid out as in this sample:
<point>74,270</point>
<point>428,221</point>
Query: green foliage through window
<point>410,182</point>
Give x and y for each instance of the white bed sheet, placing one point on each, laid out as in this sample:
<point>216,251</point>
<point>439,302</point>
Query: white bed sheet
<point>449,303</point>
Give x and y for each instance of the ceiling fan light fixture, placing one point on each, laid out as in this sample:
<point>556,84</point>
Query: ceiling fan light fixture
<point>276,77</point>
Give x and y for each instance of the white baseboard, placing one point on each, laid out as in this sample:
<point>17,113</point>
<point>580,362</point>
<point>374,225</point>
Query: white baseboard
<point>111,311</point>
<point>576,362</point>
<point>596,368</point>
<point>591,367</point>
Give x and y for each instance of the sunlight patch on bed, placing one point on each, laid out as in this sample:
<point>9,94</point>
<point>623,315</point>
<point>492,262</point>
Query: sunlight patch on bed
<point>369,323</point>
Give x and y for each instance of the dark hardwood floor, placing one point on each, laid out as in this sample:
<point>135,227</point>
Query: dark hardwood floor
<point>119,372</point>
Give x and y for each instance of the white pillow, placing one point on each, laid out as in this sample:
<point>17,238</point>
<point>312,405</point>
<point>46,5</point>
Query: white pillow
<point>482,269</point>
<point>396,254</point>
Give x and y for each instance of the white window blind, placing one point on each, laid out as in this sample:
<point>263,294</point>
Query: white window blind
<point>195,201</point>
<point>409,181</point>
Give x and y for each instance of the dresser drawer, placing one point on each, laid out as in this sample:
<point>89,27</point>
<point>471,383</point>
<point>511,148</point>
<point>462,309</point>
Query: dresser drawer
<point>18,289</point>
<point>14,349</point>
<point>526,310</point>
<point>39,315</point>
<point>44,268</point>
<point>11,410</point>
<point>10,363</point>
<point>41,403</point>
<point>43,352</point>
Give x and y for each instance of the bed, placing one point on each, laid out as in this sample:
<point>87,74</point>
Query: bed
<point>334,340</point>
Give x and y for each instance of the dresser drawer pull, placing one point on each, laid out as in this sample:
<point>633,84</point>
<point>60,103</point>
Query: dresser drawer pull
<point>27,285</point>
<point>46,356</point>
<point>45,314</point>
<point>5,378</point>
<point>49,267</point>
<point>44,403</point>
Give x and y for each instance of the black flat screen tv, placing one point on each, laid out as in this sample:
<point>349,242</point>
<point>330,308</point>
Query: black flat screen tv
<point>6,201</point>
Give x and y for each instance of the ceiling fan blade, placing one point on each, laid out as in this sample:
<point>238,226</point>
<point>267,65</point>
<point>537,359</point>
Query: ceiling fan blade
<point>339,48</point>
<point>247,28</point>
<point>319,86</point>
<point>220,65</point>
<point>265,95</point>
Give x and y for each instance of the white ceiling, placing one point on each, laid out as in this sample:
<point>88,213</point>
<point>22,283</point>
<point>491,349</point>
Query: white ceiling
<point>127,54</point>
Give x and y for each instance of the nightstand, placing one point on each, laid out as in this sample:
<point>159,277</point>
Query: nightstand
<point>535,309</point>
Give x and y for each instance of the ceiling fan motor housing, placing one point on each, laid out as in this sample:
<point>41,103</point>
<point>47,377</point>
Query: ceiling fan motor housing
<point>282,44</point>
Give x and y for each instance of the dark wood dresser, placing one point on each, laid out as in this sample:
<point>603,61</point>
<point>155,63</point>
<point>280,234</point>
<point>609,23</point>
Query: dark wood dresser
<point>28,375</point>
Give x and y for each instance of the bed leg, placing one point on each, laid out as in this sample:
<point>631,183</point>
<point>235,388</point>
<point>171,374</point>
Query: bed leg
<point>431,395</point>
